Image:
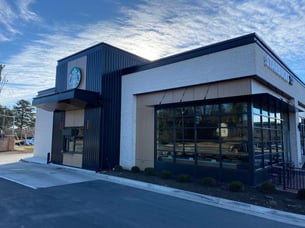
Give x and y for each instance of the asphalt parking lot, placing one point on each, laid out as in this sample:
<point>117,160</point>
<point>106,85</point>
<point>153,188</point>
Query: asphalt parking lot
<point>99,203</point>
<point>48,195</point>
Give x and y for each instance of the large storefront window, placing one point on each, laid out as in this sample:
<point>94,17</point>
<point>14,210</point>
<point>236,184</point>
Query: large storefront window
<point>268,122</point>
<point>217,135</point>
<point>212,135</point>
<point>74,139</point>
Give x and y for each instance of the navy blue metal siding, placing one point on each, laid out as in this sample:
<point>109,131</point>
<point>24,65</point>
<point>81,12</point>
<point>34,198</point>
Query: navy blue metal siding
<point>61,77</point>
<point>113,60</point>
<point>57,138</point>
<point>92,139</point>
<point>112,120</point>
<point>117,59</point>
<point>94,71</point>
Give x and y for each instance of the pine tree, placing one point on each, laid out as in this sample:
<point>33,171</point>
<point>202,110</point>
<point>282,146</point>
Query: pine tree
<point>24,115</point>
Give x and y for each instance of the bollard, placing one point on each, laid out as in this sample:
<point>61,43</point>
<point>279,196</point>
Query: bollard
<point>48,158</point>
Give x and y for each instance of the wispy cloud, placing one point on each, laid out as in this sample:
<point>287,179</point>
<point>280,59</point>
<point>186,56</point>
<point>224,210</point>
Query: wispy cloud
<point>154,29</point>
<point>24,12</point>
<point>11,15</point>
<point>7,16</point>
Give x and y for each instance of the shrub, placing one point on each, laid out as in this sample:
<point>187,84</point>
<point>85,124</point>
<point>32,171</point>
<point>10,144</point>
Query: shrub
<point>236,186</point>
<point>165,174</point>
<point>267,187</point>
<point>149,171</point>
<point>208,181</point>
<point>135,169</point>
<point>301,194</point>
<point>184,178</point>
<point>118,168</point>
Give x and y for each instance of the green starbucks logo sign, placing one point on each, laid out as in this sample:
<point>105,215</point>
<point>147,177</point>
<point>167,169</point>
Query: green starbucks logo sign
<point>75,77</point>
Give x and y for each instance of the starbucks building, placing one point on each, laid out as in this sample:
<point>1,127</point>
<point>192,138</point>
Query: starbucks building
<point>230,110</point>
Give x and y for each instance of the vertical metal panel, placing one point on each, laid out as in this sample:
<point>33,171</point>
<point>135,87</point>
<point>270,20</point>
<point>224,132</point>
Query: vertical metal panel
<point>92,139</point>
<point>61,77</point>
<point>104,59</point>
<point>57,141</point>
<point>112,116</point>
<point>113,60</point>
<point>116,59</point>
<point>94,70</point>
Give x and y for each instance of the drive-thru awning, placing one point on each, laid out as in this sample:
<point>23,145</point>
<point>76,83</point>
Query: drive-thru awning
<point>67,100</point>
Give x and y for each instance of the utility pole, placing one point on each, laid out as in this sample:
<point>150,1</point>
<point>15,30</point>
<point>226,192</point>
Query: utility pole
<point>1,67</point>
<point>3,80</point>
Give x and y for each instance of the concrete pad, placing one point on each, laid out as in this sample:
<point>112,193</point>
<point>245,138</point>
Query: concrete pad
<point>35,175</point>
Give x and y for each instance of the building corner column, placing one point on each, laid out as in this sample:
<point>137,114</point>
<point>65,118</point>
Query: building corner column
<point>294,138</point>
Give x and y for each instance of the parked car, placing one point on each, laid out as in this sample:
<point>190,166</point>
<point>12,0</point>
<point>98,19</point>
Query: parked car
<point>29,142</point>
<point>238,147</point>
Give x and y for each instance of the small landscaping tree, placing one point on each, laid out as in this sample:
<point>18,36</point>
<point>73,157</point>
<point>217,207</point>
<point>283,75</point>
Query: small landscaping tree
<point>118,168</point>
<point>184,178</point>
<point>267,187</point>
<point>208,181</point>
<point>149,171</point>
<point>236,186</point>
<point>135,169</point>
<point>301,194</point>
<point>165,174</point>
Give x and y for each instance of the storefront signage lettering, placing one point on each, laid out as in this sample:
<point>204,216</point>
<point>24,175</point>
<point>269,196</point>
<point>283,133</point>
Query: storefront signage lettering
<point>277,69</point>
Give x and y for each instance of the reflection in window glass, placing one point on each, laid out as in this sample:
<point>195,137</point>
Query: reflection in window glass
<point>165,136</point>
<point>272,123</point>
<point>208,154</point>
<point>217,135</point>
<point>267,134</point>
<point>211,109</point>
<point>237,134</point>
<point>236,120</point>
<point>257,121</point>
<point>197,134</point>
<point>165,118</point>
<point>235,155</point>
<point>208,121</point>
<point>265,111</point>
<point>278,115</point>
<point>265,121</point>
<point>185,153</point>
<point>258,161</point>
<point>234,107</point>
<point>267,160</point>
<point>256,111</point>
<point>207,133</point>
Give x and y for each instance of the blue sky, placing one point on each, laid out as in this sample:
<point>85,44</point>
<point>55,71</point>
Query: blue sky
<point>35,34</point>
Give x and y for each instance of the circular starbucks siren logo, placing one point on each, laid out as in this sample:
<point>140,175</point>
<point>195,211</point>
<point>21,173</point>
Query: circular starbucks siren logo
<point>75,77</point>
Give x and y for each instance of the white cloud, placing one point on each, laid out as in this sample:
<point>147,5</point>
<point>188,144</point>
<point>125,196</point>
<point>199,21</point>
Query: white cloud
<point>24,12</point>
<point>154,29</point>
<point>7,16</point>
<point>10,17</point>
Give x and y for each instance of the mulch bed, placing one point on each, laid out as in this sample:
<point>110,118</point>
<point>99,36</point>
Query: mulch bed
<point>280,200</point>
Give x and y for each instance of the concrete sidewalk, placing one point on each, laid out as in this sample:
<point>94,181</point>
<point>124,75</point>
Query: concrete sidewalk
<point>32,173</point>
<point>35,175</point>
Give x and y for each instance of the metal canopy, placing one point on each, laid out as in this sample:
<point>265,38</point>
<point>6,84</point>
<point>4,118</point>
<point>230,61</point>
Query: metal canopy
<point>68,100</point>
